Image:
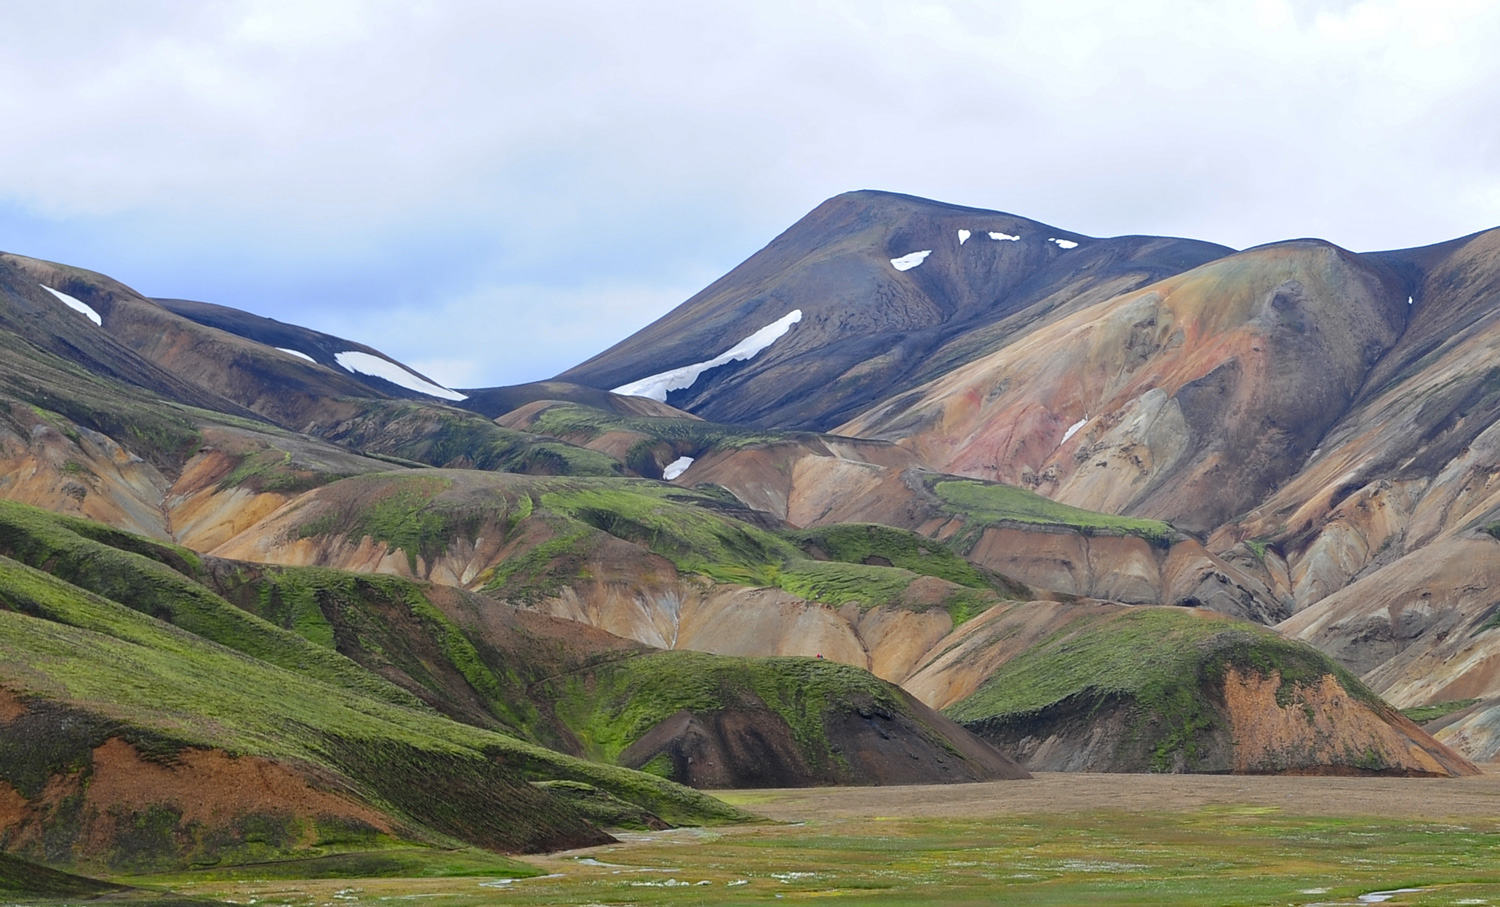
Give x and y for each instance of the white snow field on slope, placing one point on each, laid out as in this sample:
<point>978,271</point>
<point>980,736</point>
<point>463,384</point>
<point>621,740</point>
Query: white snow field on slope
<point>1063,243</point>
<point>365,364</point>
<point>1073,430</point>
<point>676,468</point>
<point>298,353</point>
<point>657,386</point>
<point>910,260</point>
<point>1004,237</point>
<point>963,236</point>
<point>81,307</point>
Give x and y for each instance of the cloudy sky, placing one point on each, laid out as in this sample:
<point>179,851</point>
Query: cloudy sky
<point>492,191</point>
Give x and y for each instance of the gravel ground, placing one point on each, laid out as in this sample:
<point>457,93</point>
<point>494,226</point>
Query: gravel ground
<point>1056,792</point>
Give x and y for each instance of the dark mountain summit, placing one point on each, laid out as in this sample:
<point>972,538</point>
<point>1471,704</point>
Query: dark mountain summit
<point>888,286</point>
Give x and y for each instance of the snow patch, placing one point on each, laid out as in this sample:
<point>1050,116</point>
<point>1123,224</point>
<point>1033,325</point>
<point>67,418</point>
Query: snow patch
<point>365,364</point>
<point>298,353</point>
<point>1004,237</point>
<point>502,883</point>
<point>911,260</point>
<point>1380,897</point>
<point>1063,243</point>
<point>1410,300</point>
<point>963,236</point>
<point>1073,430</point>
<point>76,305</point>
<point>657,386</point>
<point>676,468</point>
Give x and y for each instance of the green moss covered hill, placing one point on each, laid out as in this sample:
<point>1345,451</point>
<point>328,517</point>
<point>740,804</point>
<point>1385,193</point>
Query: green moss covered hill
<point>128,649</point>
<point>1171,689</point>
<point>429,715</point>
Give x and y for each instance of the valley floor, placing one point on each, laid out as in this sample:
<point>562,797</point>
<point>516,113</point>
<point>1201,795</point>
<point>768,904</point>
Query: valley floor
<point>1063,839</point>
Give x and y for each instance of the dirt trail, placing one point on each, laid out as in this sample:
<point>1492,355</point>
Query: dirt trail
<point>1059,792</point>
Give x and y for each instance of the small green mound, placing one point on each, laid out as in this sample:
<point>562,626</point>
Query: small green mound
<point>275,470</point>
<point>874,544</point>
<point>873,586</point>
<point>585,423</point>
<point>439,436</point>
<point>668,521</point>
<point>615,704</point>
<point>397,510</point>
<point>1170,663</point>
<point>984,504</point>
<point>1424,713</point>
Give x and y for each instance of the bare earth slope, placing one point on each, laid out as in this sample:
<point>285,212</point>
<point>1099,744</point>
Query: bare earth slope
<point>1187,401</point>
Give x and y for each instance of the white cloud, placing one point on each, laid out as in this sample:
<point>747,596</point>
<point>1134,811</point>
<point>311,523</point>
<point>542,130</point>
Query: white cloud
<point>598,144</point>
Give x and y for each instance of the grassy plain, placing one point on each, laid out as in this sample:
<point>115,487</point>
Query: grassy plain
<point>1059,840</point>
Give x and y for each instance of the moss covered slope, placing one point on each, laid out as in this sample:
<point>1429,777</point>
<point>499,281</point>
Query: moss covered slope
<point>1167,689</point>
<point>715,721</point>
<point>985,504</point>
<point>439,779</point>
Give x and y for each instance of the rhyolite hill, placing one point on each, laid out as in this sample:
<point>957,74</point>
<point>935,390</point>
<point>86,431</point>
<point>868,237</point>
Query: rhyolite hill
<point>919,493</point>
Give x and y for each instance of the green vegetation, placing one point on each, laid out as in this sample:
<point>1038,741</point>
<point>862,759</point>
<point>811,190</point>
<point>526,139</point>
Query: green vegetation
<point>130,575</point>
<point>871,587</point>
<point>274,470</point>
<point>1224,856</point>
<point>66,396</point>
<point>983,505</point>
<point>603,808</point>
<point>542,570</point>
<point>388,863</point>
<point>688,529</point>
<point>439,436</point>
<point>838,584</point>
<point>616,703</point>
<point>65,644</point>
<point>664,520</point>
<point>582,424</point>
<point>19,877</point>
<point>397,511</point>
<point>875,545</point>
<point>388,625</point>
<point>1167,662</point>
<point>867,543</point>
<point>1424,713</point>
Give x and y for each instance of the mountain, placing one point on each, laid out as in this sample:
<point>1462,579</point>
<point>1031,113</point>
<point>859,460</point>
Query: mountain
<point>1314,423</point>
<point>875,291</point>
<point>918,494</point>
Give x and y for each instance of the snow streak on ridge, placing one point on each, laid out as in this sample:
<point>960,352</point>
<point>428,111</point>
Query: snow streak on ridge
<point>365,364</point>
<point>657,386</point>
<point>76,305</point>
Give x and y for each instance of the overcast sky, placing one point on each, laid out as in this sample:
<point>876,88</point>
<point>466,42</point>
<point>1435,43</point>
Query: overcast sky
<point>493,191</point>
